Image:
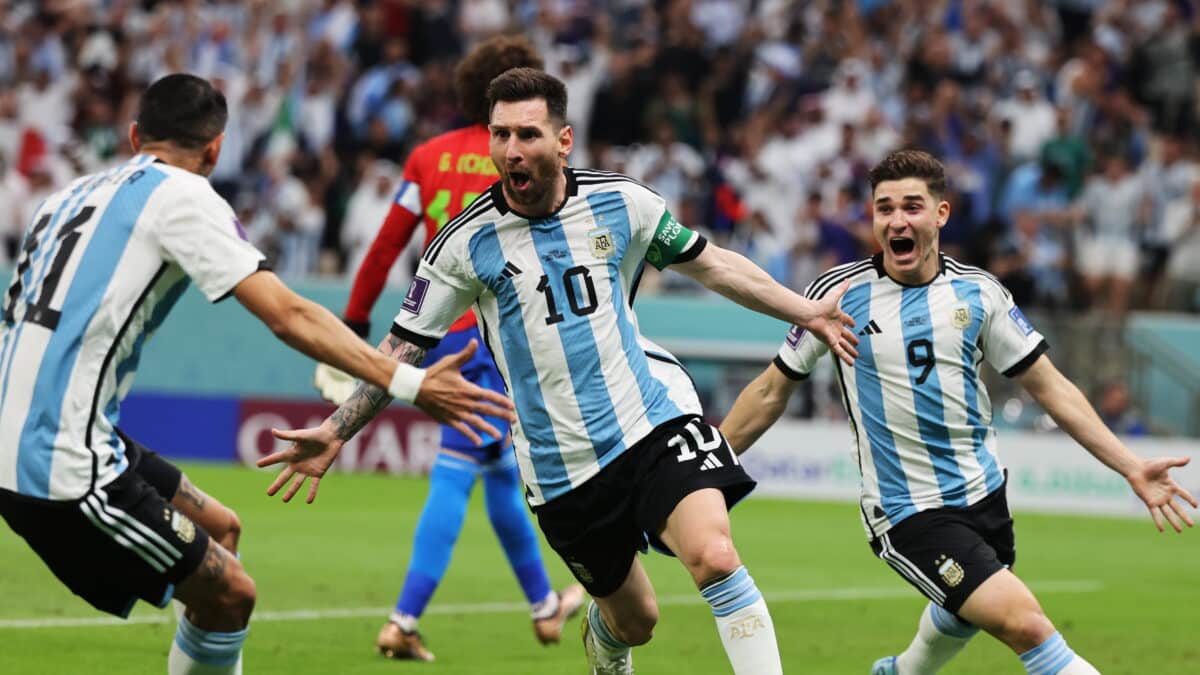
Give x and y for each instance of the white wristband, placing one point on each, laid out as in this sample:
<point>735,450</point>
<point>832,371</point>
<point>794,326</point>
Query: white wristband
<point>406,382</point>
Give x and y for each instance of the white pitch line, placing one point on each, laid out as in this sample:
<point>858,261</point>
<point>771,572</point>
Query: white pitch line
<point>813,595</point>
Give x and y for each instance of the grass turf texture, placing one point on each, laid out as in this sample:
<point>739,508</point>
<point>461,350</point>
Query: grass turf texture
<point>1133,613</point>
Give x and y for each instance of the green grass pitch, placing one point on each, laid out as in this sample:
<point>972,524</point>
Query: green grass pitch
<point>1124,596</point>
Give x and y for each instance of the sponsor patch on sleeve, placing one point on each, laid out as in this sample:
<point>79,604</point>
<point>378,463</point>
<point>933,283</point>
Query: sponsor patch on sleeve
<point>794,335</point>
<point>1019,319</point>
<point>416,295</point>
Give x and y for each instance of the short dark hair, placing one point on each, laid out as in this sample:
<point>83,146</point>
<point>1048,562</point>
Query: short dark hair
<point>482,64</point>
<point>903,164</point>
<point>524,84</point>
<point>182,109</point>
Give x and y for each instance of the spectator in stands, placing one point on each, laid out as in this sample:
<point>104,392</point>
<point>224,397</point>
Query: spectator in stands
<point>1118,414</point>
<point>1109,212</point>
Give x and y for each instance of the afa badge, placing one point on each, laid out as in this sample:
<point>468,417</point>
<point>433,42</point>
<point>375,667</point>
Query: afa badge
<point>184,528</point>
<point>601,243</point>
<point>952,573</point>
<point>961,316</point>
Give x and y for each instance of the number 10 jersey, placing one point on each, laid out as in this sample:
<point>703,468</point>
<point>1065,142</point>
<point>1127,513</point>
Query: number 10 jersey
<point>100,267</point>
<point>555,297</point>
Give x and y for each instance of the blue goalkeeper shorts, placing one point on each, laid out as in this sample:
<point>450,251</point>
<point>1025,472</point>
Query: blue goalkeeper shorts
<point>481,370</point>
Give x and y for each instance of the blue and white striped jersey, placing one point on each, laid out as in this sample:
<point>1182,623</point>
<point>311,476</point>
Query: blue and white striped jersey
<point>101,265</point>
<point>917,405</point>
<point>555,297</point>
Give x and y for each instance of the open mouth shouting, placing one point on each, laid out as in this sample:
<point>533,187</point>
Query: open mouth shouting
<point>903,248</point>
<point>519,181</point>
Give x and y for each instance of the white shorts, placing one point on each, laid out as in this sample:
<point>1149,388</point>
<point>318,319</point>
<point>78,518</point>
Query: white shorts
<point>1107,256</point>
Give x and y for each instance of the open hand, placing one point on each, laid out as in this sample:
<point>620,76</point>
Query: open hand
<point>1153,484</point>
<point>451,399</point>
<point>832,326</point>
<point>311,454</point>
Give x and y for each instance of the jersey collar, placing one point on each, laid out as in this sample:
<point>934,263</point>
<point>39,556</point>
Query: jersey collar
<point>877,262</point>
<point>501,203</point>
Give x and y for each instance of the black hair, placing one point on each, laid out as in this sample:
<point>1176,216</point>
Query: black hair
<point>182,109</point>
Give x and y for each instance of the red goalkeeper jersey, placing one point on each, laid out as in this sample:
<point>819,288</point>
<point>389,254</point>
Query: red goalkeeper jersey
<point>441,178</point>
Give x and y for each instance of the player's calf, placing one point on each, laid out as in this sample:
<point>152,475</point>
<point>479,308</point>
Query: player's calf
<point>219,597</point>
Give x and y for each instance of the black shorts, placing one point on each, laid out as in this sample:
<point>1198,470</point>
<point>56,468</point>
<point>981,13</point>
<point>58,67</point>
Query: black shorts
<point>599,527</point>
<point>947,553</point>
<point>120,542</point>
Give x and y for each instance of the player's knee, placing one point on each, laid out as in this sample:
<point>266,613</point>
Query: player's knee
<point>636,628</point>
<point>714,559</point>
<point>231,531</point>
<point>1026,629</point>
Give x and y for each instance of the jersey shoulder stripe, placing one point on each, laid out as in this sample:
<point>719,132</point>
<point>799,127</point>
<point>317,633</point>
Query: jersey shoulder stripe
<point>589,177</point>
<point>960,269</point>
<point>827,281</point>
<point>478,208</point>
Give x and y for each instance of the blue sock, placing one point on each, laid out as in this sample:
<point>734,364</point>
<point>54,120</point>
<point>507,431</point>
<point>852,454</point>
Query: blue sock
<point>209,647</point>
<point>728,595</point>
<point>450,485</point>
<point>1049,657</point>
<point>603,635</point>
<point>951,625</point>
<point>510,519</point>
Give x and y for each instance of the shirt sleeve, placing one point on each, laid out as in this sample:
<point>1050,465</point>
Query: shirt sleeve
<point>1010,342</point>
<point>199,231</point>
<point>668,241</point>
<point>440,292</point>
<point>800,350</point>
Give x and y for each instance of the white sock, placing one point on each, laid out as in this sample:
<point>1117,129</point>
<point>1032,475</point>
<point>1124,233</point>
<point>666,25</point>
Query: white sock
<point>545,608</point>
<point>940,636</point>
<point>407,622</point>
<point>200,652</point>
<point>1054,657</point>
<point>744,624</point>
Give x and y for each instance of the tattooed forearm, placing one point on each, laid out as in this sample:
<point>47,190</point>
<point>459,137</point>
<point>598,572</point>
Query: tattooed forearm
<point>190,494</point>
<point>368,400</point>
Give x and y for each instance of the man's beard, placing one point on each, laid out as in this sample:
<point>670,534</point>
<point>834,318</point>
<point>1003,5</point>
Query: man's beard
<point>541,182</point>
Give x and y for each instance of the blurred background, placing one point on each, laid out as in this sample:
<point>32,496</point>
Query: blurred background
<point>1068,127</point>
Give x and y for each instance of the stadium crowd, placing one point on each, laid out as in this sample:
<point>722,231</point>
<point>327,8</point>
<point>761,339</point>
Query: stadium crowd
<point>1069,127</point>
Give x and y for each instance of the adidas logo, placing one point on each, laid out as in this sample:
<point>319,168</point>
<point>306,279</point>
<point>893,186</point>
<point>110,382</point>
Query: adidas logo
<point>871,328</point>
<point>510,270</point>
<point>711,462</point>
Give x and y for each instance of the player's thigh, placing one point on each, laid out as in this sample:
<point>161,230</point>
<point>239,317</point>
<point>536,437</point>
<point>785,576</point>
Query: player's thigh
<point>1005,607</point>
<point>697,532</point>
<point>593,528</point>
<point>120,543</point>
<point>942,553</point>
<point>685,457</point>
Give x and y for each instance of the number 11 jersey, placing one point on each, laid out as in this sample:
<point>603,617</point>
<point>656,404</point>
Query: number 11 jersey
<point>555,297</point>
<point>102,264</point>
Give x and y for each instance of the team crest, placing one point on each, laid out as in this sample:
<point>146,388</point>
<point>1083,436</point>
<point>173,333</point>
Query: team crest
<point>952,573</point>
<point>184,528</point>
<point>601,242</point>
<point>580,571</point>
<point>961,316</point>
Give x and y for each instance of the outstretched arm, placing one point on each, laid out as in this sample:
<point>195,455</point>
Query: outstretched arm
<point>1149,478</point>
<point>443,392</point>
<point>733,276</point>
<point>759,406</point>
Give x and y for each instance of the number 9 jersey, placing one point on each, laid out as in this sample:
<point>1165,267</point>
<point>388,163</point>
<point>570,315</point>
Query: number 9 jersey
<point>917,405</point>
<point>555,297</point>
<point>102,264</point>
